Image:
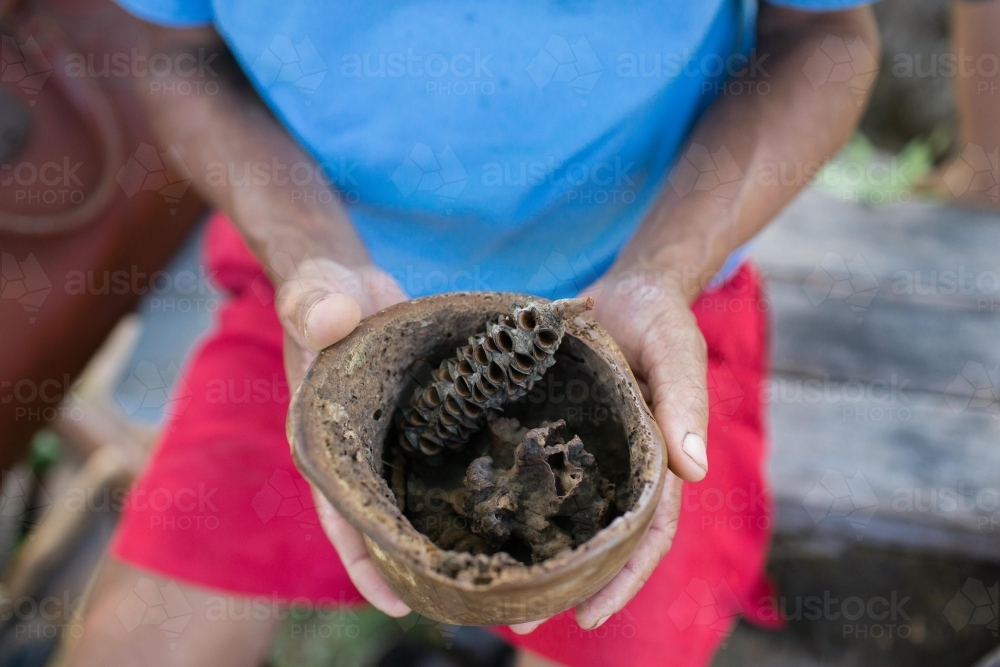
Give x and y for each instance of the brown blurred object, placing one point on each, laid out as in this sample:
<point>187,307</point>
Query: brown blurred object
<point>970,177</point>
<point>89,207</point>
<point>912,94</point>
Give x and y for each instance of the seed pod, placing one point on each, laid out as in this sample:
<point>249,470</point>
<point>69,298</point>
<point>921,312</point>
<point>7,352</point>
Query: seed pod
<point>552,497</point>
<point>496,367</point>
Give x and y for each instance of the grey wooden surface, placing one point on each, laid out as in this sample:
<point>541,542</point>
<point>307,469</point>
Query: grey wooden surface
<point>884,392</point>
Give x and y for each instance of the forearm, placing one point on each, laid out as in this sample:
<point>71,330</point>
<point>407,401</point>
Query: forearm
<point>241,160</point>
<point>776,141</point>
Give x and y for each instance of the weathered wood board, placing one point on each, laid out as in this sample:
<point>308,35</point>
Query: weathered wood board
<point>885,356</point>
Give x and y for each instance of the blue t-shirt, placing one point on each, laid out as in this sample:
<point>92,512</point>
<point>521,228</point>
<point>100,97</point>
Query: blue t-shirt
<point>496,145</point>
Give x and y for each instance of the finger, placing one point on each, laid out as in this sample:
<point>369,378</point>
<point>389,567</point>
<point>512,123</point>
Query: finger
<point>526,628</point>
<point>654,546</point>
<point>317,317</point>
<point>350,547</point>
<point>675,357</point>
<point>329,320</point>
<point>383,288</point>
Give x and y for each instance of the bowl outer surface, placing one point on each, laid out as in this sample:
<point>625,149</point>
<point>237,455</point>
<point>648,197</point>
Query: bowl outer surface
<point>336,443</point>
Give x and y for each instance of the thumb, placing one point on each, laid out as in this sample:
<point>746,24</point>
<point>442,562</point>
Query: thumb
<point>314,312</point>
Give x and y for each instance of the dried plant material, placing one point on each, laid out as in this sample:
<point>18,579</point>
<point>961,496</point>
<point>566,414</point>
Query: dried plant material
<point>505,435</point>
<point>551,498</point>
<point>527,494</point>
<point>435,516</point>
<point>496,367</point>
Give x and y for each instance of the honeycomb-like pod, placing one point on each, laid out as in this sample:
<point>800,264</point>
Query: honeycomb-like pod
<point>551,477</point>
<point>496,367</point>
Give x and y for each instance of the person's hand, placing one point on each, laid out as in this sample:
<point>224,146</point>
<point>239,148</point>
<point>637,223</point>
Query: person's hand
<point>319,302</point>
<point>655,328</point>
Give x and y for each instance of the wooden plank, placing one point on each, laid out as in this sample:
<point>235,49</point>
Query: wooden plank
<point>855,466</point>
<point>891,239</point>
<point>917,346</point>
<point>886,374</point>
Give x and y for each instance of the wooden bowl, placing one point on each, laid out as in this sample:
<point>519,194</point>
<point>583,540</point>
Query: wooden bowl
<point>342,412</point>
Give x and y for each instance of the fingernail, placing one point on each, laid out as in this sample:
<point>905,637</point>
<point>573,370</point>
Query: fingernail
<point>525,628</point>
<point>399,609</point>
<point>310,321</point>
<point>694,446</point>
<point>601,622</point>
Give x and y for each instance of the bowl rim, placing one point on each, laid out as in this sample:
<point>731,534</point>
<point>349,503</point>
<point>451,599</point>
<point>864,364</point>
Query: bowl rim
<point>312,459</point>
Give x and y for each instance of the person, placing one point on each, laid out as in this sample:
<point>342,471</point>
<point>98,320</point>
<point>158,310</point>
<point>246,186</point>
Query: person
<point>972,176</point>
<point>375,153</point>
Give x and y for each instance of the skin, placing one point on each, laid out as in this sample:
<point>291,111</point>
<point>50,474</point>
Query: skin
<point>975,33</point>
<point>112,633</point>
<point>975,30</point>
<point>326,281</point>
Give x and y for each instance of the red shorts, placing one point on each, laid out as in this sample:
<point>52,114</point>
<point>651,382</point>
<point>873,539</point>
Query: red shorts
<point>221,504</point>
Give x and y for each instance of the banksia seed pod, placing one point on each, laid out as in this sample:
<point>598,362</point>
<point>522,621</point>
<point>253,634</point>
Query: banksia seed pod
<point>496,367</point>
